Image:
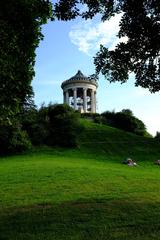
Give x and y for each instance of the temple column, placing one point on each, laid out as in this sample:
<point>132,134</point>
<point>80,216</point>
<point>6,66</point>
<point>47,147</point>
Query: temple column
<point>75,98</point>
<point>95,103</point>
<point>64,97</point>
<point>67,97</point>
<point>85,100</point>
<point>92,101</point>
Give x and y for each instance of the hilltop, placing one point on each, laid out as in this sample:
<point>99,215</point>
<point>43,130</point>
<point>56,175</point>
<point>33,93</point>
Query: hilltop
<point>115,144</point>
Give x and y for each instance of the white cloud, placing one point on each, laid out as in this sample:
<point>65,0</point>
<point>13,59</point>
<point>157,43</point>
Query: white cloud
<point>88,35</point>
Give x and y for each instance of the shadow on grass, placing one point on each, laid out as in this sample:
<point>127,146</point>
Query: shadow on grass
<point>82,221</point>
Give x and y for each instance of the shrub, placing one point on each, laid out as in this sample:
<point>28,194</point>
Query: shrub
<point>56,124</point>
<point>124,120</point>
<point>95,117</point>
<point>35,123</point>
<point>108,118</point>
<point>64,126</point>
<point>13,139</point>
<point>19,141</point>
<point>157,137</point>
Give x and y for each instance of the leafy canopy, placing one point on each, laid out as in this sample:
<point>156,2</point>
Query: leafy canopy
<point>20,31</point>
<point>126,121</point>
<point>20,34</point>
<point>140,23</point>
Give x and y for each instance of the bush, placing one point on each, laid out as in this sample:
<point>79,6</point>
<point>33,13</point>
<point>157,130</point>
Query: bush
<point>36,125</point>
<point>13,139</point>
<point>19,141</point>
<point>95,117</point>
<point>108,118</point>
<point>124,120</point>
<point>130,123</point>
<point>56,124</point>
<point>64,126</point>
<point>157,137</point>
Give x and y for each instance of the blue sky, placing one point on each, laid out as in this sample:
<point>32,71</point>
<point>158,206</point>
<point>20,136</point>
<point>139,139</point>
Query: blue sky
<point>70,46</point>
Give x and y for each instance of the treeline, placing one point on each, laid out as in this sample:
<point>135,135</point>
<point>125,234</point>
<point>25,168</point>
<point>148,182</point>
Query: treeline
<point>52,125</point>
<point>124,120</point>
<point>58,125</point>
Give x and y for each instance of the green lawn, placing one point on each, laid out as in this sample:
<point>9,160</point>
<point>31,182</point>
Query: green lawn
<point>84,193</point>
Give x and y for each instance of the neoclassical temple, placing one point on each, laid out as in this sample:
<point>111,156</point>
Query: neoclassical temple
<point>80,92</point>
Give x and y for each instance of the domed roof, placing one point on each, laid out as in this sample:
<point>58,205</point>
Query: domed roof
<point>80,77</point>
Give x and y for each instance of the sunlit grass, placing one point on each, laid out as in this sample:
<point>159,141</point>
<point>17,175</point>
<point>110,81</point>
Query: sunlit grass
<point>84,193</point>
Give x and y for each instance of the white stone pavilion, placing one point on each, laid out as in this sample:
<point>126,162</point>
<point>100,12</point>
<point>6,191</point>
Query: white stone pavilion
<point>80,93</point>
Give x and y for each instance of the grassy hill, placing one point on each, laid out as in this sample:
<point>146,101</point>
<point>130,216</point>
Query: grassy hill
<point>116,144</point>
<point>84,193</point>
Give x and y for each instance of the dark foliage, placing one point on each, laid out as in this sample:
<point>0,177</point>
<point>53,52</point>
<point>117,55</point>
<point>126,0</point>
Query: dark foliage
<point>125,120</point>
<point>13,139</point>
<point>108,118</point>
<point>20,31</point>
<point>95,117</point>
<point>140,24</point>
<point>20,34</point>
<point>53,125</point>
<point>35,123</point>
<point>157,137</point>
<point>64,125</point>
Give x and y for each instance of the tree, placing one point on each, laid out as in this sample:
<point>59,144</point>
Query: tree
<point>126,121</point>
<point>20,31</point>
<point>140,23</point>
<point>157,137</point>
<point>127,112</point>
<point>53,125</point>
<point>64,126</point>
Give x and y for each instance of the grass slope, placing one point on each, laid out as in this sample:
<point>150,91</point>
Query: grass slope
<point>84,193</point>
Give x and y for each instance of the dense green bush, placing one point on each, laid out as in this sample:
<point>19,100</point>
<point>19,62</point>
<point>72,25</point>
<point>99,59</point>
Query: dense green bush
<point>157,137</point>
<point>55,124</point>
<point>124,120</point>
<point>19,141</point>
<point>13,139</point>
<point>129,123</point>
<point>108,118</point>
<point>35,123</point>
<point>89,115</point>
<point>64,125</point>
<point>95,117</point>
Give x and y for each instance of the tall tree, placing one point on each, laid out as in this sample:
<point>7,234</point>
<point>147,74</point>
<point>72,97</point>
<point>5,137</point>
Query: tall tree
<point>140,23</point>
<point>20,33</point>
